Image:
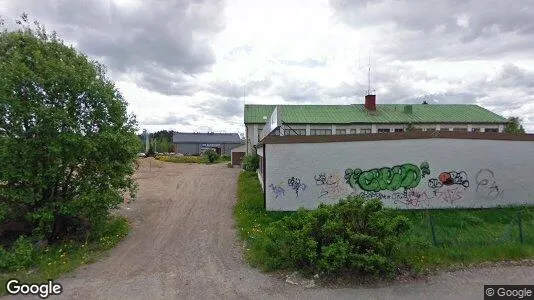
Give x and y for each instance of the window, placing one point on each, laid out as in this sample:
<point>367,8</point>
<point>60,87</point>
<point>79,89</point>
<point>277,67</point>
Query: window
<point>294,131</point>
<point>475,129</point>
<point>341,131</point>
<point>444,129</point>
<point>430,129</point>
<point>399,130</point>
<point>320,131</point>
<point>365,130</point>
<point>353,131</point>
<point>383,130</point>
<point>492,130</point>
<point>459,129</point>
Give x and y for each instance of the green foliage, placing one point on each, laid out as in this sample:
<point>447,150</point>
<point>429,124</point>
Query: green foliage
<point>354,236</point>
<point>514,125</point>
<point>251,162</point>
<point>50,261</point>
<point>465,236</point>
<point>229,165</point>
<point>211,155</point>
<point>179,159</point>
<point>225,158</point>
<point>20,257</point>
<point>68,146</point>
<point>410,127</point>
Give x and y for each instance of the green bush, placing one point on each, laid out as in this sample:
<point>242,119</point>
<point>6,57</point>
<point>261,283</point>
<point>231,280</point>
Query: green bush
<point>21,256</point>
<point>225,157</point>
<point>229,165</point>
<point>354,236</point>
<point>251,162</point>
<point>211,155</point>
<point>68,145</point>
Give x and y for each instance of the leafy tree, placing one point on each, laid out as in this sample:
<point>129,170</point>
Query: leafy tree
<point>514,126</point>
<point>68,146</point>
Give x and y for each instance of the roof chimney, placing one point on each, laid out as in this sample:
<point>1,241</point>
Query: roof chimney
<point>370,102</point>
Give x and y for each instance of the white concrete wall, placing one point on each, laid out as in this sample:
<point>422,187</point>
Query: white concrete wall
<point>485,173</point>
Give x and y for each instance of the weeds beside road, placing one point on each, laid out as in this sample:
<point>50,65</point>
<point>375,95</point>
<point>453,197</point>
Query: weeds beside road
<point>49,262</point>
<point>460,237</point>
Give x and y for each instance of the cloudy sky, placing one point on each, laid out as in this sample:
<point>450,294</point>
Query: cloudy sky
<point>185,65</point>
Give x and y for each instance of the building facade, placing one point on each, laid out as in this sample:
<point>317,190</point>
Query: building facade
<point>195,143</point>
<point>368,118</point>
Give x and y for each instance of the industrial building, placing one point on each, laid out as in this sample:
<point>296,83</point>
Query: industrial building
<point>195,143</point>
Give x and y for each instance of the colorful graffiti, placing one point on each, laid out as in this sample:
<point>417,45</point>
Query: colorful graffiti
<point>278,191</point>
<point>449,178</point>
<point>295,184</point>
<point>486,184</point>
<point>401,176</point>
<point>330,185</point>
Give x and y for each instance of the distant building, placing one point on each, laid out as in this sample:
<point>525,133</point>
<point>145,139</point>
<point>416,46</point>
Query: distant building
<point>367,118</point>
<point>194,143</point>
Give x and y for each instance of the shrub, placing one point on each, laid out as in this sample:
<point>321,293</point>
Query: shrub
<point>72,158</point>
<point>251,162</point>
<point>21,256</point>
<point>225,157</point>
<point>354,236</point>
<point>229,165</point>
<point>211,155</point>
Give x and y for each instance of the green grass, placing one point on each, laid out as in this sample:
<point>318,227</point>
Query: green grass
<point>463,237</point>
<point>52,261</point>
<point>251,217</point>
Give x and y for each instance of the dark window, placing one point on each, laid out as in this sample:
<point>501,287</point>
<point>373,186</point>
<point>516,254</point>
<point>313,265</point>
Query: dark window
<point>459,129</point>
<point>399,130</point>
<point>383,130</point>
<point>475,129</point>
<point>321,132</point>
<point>492,130</point>
<point>365,130</point>
<point>341,131</point>
<point>444,129</point>
<point>431,129</point>
<point>294,131</point>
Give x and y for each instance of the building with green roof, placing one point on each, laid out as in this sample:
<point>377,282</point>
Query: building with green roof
<point>368,118</point>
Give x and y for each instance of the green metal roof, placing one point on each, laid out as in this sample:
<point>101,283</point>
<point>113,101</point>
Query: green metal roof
<point>385,113</point>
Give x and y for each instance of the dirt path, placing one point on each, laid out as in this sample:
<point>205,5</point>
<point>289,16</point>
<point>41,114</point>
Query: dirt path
<point>183,246</point>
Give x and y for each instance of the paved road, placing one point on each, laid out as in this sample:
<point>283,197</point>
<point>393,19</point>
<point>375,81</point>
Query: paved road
<point>183,246</point>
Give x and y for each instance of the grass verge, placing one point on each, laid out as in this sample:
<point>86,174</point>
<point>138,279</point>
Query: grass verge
<point>463,237</point>
<point>52,261</point>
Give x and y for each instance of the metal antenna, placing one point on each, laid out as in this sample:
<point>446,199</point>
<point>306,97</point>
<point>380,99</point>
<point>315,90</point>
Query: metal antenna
<point>369,76</point>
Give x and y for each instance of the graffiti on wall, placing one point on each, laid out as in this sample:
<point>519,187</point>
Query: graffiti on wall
<point>449,178</point>
<point>296,184</point>
<point>277,190</point>
<point>330,184</point>
<point>449,195</point>
<point>405,176</point>
<point>410,197</point>
<point>486,184</point>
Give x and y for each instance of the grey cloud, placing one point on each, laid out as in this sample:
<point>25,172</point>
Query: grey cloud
<point>434,29</point>
<point>172,37</point>
<point>223,108</point>
<point>171,119</point>
<point>308,63</point>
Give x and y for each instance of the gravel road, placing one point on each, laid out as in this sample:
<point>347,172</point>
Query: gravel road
<point>183,246</point>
